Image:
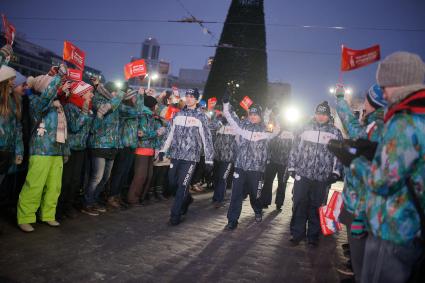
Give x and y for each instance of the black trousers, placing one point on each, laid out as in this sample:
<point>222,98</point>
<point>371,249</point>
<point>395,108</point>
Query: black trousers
<point>72,180</point>
<point>273,169</point>
<point>308,197</point>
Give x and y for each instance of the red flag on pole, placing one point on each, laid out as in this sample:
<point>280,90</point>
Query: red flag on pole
<point>211,103</point>
<point>246,103</point>
<point>74,55</point>
<point>9,30</point>
<point>353,59</point>
<point>74,75</point>
<point>135,69</point>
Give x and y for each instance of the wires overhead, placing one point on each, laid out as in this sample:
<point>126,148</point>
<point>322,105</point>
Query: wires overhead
<point>193,20</point>
<point>227,46</point>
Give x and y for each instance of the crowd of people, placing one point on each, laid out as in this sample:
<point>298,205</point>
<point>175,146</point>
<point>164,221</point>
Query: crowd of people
<point>95,147</point>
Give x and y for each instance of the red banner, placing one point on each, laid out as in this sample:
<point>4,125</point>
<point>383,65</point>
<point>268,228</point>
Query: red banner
<point>74,55</point>
<point>211,103</point>
<point>353,59</point>
<point>9,30</point>
<point>135,69</point>
<point>171,111</point>
<point>74,75</point>
<point>246,103</point>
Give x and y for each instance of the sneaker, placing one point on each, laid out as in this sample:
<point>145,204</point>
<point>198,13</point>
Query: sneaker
<point>265,206</point>
<point>172,222</point>
<point>218,204</point>
<point>258,217</point>
<point>294,241</point>
<point>26,227</point>
<point>89,211</point>
<point>278,207</point>
<point>185,206</point>
<point>345,271</point>
<point>52,223</point>
<point>99,208</point>
<point>313,244</point>
<point>345,246</point>
<point>231,226</point>
<point>113,203</point>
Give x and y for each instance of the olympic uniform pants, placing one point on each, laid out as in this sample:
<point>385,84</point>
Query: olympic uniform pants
<point>41,189</point>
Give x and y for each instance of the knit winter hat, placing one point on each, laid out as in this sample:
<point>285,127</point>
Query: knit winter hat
<point>255,109</point>
<point>6,73</point>
<point>39,83</point>
<point>150,101</point>
<point>375,97</point>
<point>130,94</point>
<point>194,92</point>
<point>20,79</point>
<point>81,88</point>
<point>323,108</point>
<point>400,69</point>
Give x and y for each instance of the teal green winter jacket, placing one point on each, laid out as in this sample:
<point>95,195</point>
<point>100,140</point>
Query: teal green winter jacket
<point>79,125</point>
<point>400,156</point>
<point>44,118</point>
<point>11,131</point>
<point>105,132</point>
<point>354,193</point>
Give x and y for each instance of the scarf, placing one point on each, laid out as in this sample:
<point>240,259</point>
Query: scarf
<point>413,103</point>
<point>61,129</point>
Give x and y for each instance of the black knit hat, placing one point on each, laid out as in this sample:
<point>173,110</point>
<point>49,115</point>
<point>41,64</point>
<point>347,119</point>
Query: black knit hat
<point>150,101</point>
<point>323,108</point>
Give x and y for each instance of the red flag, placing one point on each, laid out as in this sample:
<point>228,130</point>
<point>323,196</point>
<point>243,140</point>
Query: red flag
<point>171,111</point>
<point>246,103</point>
<point>211,103</point>
<point>135,69</point>
<point>9,30</point>
<point>74,75</point>
<point>74,55</point>
<point>352,59</point>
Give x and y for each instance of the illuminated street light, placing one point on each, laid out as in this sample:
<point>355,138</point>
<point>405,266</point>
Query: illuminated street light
<point>118,84</point>
<point>291,114</point>
<point>153,77</point>
<point>332,90</point>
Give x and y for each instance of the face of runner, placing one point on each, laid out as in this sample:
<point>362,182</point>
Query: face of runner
<point>190,101</point>
<point>321,118</point>
<point>254,118</point>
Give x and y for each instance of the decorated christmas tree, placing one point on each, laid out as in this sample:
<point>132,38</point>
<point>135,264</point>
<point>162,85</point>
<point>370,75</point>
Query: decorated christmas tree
<point>240,61</point>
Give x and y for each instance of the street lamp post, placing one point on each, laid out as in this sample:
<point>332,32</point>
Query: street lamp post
<point>152,77</point>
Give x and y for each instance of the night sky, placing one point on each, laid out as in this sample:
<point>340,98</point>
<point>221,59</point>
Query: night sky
<point>307,58</point>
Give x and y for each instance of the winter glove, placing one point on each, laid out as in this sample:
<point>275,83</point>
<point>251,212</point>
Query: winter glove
<point>103,109</point>
<point>226,97</point>
<point>140,133</point>
<point>339,91</point>
<point>342,151</point>
<point>19,159</point>
<point>292,174</point>
<point>366,148</point>
<point>333,178</point>
<point>6,51</point>
<point>63,70</point>
<point>65,159</point>
<point>53,71</point>
<point>86,107</point>
<point>161,156</point>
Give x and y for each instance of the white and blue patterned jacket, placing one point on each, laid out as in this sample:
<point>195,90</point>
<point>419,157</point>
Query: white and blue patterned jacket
<point>225,144</point>
<point>253,142</point>
<point>188,135</point>
<point>310,157</point>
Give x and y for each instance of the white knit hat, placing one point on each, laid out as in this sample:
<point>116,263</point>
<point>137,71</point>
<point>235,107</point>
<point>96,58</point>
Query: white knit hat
<point>80,88</point>
<point>6,73</point>
<point>39,83</point>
